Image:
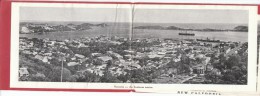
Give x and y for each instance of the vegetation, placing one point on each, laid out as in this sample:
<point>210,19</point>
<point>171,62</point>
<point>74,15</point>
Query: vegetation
<point>41,71</point>
<point>233,70</point>
<point>42,28</point>
<point>237,28</point>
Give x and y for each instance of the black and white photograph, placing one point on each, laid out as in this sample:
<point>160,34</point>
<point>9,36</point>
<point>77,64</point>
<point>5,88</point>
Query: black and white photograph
<point>74,45</point>
<point>182,46</point>
<point>192,46</point>
<point>133,44</point>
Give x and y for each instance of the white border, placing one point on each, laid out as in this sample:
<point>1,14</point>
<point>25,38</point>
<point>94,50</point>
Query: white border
<point>251,87</point>
<point>168,1</point>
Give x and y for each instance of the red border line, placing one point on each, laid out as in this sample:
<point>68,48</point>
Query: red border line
<point>149,3</point>
<point>258,9</point>
<point>5,30</point>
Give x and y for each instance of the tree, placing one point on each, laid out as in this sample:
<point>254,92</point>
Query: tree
<point>213,77</point>
<point>55,61</point>
<point>232,61</point>
<point>37,77</point>
<point>185,59</point>
<point>109,78</point>
<point>55,74</point>
<point>222,58</point>
<point>187,51</point>
<point>229,78</point>
<point>124,78</point>
<point>84,51</point>
<point>143,61</point>
<point>88,77</point>
<point>156,59</point>
<point>140,76</point>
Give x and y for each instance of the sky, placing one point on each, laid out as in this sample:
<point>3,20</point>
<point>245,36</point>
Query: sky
<point>192,16</point>
<point>74,14</point>
<point>141,15</point>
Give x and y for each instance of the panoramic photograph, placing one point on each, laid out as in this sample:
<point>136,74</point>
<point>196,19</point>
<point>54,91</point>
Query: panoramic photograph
<point>120,45</point>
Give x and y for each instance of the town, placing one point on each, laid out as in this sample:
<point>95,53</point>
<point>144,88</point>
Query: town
<point>126,60</point>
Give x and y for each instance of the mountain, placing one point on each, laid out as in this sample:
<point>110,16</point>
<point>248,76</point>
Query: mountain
<point>237,28</point>
<point>173,28</point>
<point>84,26</point>
<point>29,27</point>
<point>149,27</point>
<point>241,28</point>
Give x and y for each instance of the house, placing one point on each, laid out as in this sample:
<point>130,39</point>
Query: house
<point>72,63</point>
<point>114,55</point>
<point>45,59</point>
<point>200,56</point>
<point>199,69</point>
<point>42,58</point>
<point>135,65</point>
<point>39,75</point>
<point>83,60</point>
<point>104,59</point>
<point>27,52</point>
<point>39,57</point>
<point>25,30</point>
<point>161,53</point>
<point>35,53</point>
<point>79,56</point>
<point>66,40</point>
<point>82,45</point>
<point>155,56</point>
<point>206,60</point>
<point>216,71</point>
<point>98,72</point>
<point>48,54</point>
<point>61,43</point>
<point>48,28</point>
<point>23,72</point>
<point>227,50</point>
<point>51,43</point>
<point>129,51</point>
<point>115,42</point>
<point>128,56</point>
<point>96,54</point>
<point>172,71</point>
<point>73,58</point>
<point>167,58</point>
<point>176,59</point>
<point>101,67</point>
<point>209,67</point>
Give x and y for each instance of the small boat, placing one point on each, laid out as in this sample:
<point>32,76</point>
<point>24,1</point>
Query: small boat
<point>188,34</point>
<point>208,40</point>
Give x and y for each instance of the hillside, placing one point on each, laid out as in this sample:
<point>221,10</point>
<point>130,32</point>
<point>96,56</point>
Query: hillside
<point>237,28</point>
<point>27,28</point>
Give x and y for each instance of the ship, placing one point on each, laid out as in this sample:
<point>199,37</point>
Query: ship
<point>186,33</point>
<point>208,40</point>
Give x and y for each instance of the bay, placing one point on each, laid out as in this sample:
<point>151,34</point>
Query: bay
<point>123,30</point>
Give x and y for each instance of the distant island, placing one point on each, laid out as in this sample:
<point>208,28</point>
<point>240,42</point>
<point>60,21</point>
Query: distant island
<point>237,28</point>
<point>28,27</point>
<point>34,27</point>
